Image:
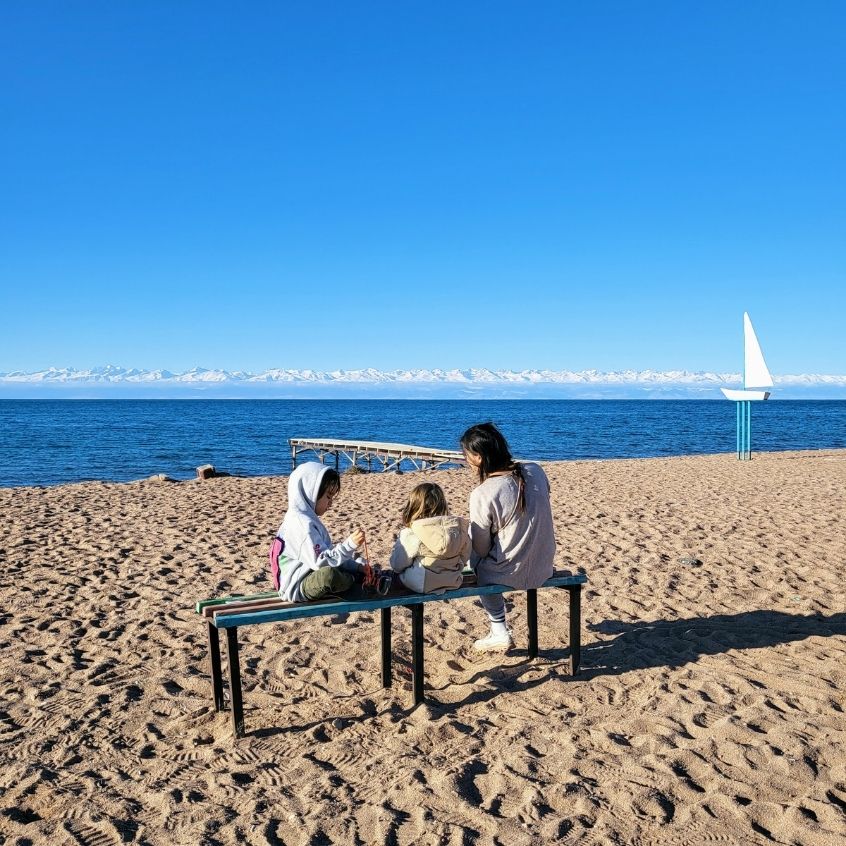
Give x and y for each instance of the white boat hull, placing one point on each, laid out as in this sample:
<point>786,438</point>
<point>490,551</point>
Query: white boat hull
<point>743,396</point>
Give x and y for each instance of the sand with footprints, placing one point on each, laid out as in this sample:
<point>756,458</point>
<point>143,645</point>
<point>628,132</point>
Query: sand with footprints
<point>710,707</point>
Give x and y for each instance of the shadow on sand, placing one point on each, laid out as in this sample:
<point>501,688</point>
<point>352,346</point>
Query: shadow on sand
<point>671,643</point>
<point>642,645</point>
<point>627,647</point>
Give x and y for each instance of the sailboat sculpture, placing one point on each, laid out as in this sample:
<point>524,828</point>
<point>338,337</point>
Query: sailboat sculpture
<point>755,372</point>
<point>756,377</point>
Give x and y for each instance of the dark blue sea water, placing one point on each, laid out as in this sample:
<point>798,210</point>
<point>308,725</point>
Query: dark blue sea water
<point>47,442</point>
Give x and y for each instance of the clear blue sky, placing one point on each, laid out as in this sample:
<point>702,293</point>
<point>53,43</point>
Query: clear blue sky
<point>419,184</point>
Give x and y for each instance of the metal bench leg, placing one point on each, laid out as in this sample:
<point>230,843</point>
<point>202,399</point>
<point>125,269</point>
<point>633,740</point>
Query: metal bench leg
<point>575,628</point>
<point>417,652</point>
<point>214,665</point>
<point>235,682</point>
<point>386,647</point>
<point>532,616</point>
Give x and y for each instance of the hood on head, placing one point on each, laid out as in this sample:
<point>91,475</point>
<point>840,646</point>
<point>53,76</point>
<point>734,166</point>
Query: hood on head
<point>443,536</point>
<point>303,485</point>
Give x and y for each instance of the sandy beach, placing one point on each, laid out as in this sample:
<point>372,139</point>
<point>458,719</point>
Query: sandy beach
<point>709,709</point>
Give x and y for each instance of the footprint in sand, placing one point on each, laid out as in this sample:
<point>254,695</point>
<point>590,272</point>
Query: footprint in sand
<point>86,834</point>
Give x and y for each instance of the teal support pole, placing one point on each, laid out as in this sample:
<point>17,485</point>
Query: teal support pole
<point>744,430</point>
<point>749,429</point>
<point>747,426</point>
<point>737,405</point>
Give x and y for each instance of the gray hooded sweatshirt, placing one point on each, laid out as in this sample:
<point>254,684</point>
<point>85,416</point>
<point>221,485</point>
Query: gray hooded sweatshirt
<point>510,548</point>
<point>308,546</point>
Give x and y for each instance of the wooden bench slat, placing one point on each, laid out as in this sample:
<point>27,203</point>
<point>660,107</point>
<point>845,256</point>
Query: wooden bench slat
<point>223,599</point>
<point>210,610</point>
<point>274,599</point>
<point>267,605</point>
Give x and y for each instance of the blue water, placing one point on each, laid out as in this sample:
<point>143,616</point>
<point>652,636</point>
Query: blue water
<point>47,442</point>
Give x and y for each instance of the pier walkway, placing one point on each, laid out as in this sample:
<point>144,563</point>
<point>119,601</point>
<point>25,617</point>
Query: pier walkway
<point>385,456</point>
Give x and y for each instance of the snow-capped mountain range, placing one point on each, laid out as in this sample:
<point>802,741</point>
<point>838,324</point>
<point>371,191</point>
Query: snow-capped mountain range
<point>111,373</point>
<point>419,382</point>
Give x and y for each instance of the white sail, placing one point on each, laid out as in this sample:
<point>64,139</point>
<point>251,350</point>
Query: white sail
<point>755,371</point>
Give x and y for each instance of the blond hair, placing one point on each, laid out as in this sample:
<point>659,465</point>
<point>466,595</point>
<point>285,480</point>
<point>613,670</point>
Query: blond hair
<point>426,500</point>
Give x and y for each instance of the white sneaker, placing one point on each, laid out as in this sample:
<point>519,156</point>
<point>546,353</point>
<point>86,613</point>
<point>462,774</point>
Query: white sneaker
<point>495,642</point>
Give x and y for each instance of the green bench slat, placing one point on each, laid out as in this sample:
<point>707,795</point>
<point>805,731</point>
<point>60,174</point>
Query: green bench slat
<point>302,610</point>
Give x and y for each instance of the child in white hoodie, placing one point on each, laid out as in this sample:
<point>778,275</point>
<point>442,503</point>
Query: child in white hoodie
<point>304,563</point>
<point>433,547</point>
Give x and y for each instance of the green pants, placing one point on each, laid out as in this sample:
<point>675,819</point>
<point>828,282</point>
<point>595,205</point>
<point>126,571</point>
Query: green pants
<point>325,582</point>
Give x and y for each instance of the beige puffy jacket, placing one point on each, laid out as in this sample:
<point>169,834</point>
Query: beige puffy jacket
<point>430,555</point>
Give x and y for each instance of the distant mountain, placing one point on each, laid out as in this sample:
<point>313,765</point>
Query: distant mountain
<point>112,380</point>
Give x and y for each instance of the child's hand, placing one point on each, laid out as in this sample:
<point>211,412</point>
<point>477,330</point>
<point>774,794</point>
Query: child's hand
<point>357,537</point>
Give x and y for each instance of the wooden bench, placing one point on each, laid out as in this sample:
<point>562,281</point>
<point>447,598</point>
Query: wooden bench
<point>231,613</point>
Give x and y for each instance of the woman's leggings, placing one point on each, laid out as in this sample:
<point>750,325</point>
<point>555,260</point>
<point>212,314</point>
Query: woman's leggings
<point>494,604</point>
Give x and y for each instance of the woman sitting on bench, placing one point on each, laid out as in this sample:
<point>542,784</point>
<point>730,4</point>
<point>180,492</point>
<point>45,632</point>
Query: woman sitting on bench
<point>510,526</point>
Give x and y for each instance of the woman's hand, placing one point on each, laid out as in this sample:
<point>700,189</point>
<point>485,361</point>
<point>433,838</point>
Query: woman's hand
<point>357,538</point>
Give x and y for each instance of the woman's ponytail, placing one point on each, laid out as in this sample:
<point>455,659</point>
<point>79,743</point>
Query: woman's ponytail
<point>520,479</point>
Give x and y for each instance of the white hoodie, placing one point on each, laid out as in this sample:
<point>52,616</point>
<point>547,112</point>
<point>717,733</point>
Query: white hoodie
<point>308,546</point>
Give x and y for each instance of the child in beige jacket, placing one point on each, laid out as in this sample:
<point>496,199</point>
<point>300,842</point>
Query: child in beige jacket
<point>433,548</point>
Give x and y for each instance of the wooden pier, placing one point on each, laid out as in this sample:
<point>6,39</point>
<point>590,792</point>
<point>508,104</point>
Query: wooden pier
<point>386,456</point>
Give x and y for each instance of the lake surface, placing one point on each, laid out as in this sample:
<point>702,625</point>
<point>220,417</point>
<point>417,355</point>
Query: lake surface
<point>47,442</point>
